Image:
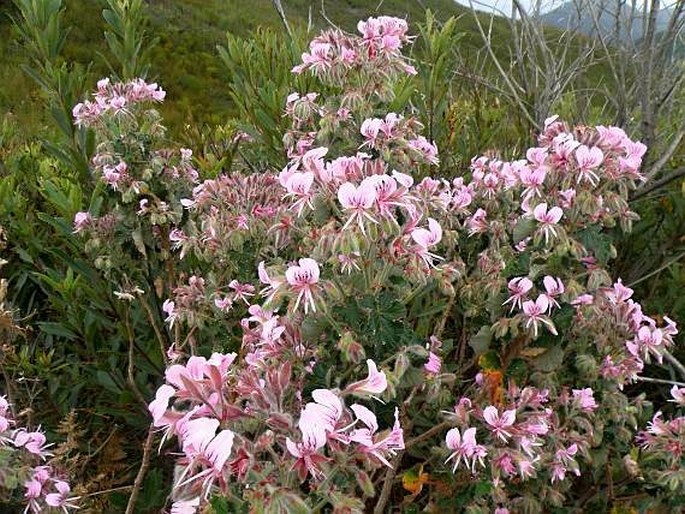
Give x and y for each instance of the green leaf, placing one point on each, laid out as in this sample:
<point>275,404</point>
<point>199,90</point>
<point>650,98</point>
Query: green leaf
<point>482,489</point>
<point>138,240</point>
<point>220,505</point>
<point>549,361</point>
<point>524,228</point>
<point>106,381</point>
<point>57,329</point>
<point>480,342</point>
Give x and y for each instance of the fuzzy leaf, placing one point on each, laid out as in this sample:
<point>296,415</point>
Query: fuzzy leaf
<point>550,360</point>
<point>480,342</point>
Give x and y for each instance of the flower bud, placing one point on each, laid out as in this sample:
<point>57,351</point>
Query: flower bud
<point>279,420</point>
<point>352,351</point>
<point>365,484</point>
<point>264,441</point>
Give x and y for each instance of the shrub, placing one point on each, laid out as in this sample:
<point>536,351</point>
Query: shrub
<point>464,336</point>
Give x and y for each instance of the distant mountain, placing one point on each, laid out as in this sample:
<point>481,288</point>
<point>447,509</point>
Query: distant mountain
<point>578,16</point>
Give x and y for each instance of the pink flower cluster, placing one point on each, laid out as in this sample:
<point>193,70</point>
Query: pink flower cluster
<point>638,339</point>
<point>521,440</point>
<point>173,169</point>
<point>380,44</point>
<point>211,405</point>
<point>326,421</point>
<point>664,439</point>
<point>572,177</point>
<point>115,98</point>
<point>346,219</point>
<point>43,489</point>
<point>535,312</point>
<point>229,205</point>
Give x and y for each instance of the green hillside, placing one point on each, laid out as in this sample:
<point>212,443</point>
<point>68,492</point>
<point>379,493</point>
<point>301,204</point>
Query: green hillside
<point>184,60</point>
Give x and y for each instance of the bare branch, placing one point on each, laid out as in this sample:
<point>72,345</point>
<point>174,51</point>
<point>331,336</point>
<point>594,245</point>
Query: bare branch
<point>514,88</point>
<point>665,156</point>
<point>281,14</point>
<point>680,172</point>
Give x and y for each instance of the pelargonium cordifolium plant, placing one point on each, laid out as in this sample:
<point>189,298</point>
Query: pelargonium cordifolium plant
<point>349,334</point>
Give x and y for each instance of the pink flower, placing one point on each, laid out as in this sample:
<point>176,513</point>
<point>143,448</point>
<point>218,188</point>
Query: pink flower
<point>532,179</point>
<point>299,185</point>
<point>499,425</point>
<point>349,262</point>
<point>464,448</point>
<point>433,365</point>
<point>370,129</point>
<point>242,291</point>
<point>566,454</point>
<point>33,489</point>
<point>427,150</point>
<point>430,237</point>
<point>402,178</point>
<point>379,447</point>
<point>359,200</point>
<point>308,461</point>
<point>389,124</point>
<point>527,468</point>
<point>584,398</point>
<point>563,460</point>
<point>583,299</point>
<point>427,238</point>
<point>477,223</point>
<point>633,159</point>
<point>160,404</point>
<point>535,311</point>
<point>59,499</point>
<point>648,341</point>
<point>318,58</point>
<point>619,293</point>
<point>374,384</point>
<point>678,394</point>
<point>548,219</point>
<point>518,288</point>
<point>303,279</point>
<point>568,197</point>
<point>82,220</point>
<point>113,175</point>
<point>387,195</point>
<point>324,412</point>
<point>588,159</point>
<point>272,284</point>
<point>185,506</point>
<point>169,307</point>
<point>224,304</point>
<point>554,287</point>
<point>33,442</point>
<point>204,447</point>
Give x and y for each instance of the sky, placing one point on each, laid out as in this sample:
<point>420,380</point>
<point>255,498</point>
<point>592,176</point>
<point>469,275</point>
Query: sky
<point>545,5</point>
<point>505,5</point>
